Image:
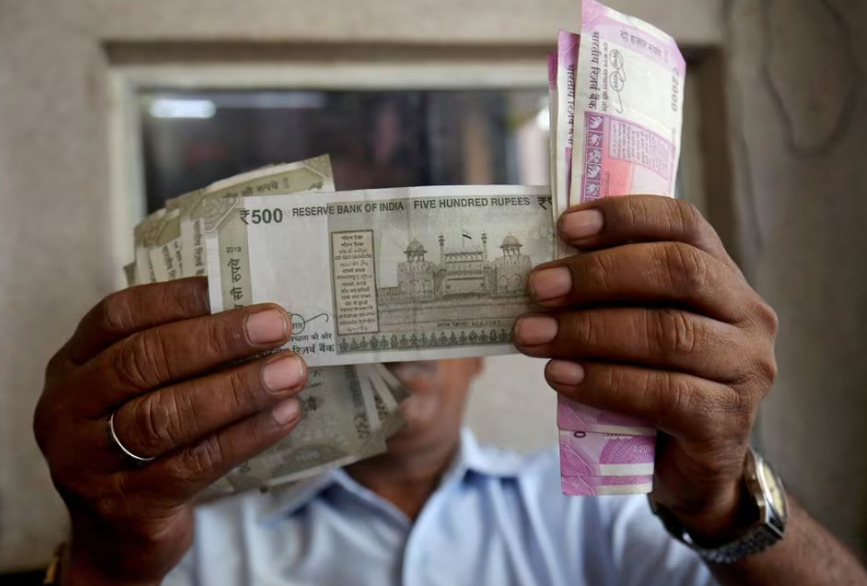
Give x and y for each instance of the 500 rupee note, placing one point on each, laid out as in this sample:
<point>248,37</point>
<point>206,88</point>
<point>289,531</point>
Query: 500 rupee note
<point>417,273</point>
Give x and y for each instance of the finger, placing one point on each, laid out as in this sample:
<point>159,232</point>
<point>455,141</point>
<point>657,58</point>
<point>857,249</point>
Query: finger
<point>681,405</point>
<point>646,273</point>
<point>137,308</point>
<point>613,221</point>
<point>655,337</point>
<point>156,423</point>
<point>184,473</point>
<point>174,352</point>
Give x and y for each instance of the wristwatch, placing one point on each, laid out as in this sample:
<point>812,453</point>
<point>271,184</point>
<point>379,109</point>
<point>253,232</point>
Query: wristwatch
<point>764,486</point>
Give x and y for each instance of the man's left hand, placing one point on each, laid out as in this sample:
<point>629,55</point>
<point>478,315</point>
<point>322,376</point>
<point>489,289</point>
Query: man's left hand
<point>653,319</point>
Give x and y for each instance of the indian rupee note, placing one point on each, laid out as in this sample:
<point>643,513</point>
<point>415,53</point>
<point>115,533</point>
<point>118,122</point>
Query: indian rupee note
<point>606,485</point>
<point>567,58</point>
<point>628,107</point>
<point>573,416</point>
<point>606,454</point>
<point>552,127</point>
<point>196,208</point>
<point>165,253</point>
<point>143,235</point>
<point>391,275</point>
<point>627,126</point>
<point>389,397</point>
<point>129,273</point>
<point>339,425</point>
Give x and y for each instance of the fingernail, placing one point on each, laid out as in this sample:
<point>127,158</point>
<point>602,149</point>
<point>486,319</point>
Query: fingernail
<point>286,412</point>
<point>583,224</point>
<point>266,327</point>
<point>283,373</point>
<point>550,283</point>
<point>532,331</point>
<point>564,373</point>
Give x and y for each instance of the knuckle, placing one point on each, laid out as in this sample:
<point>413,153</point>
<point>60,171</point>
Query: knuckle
<point>199,461</point>
<point>56,364</point>
<point>614,382</point>
<point>634,209</point>
<point>108,507</point>
<point>767,369</point>
<point>111,500</point>
<point>686,267</point>
<point>241,388</point>
<point>768,317</point>
<point>114,314</point>
<point>585,330</point>
<point>158,423</point>
<point>141,362</point>
<point>674,333</point>
<point>104,496</point>
<point>671,393</point>
<point>182,298</point>
<point>680,400</point>
<point>687,220</point>
<point>597,270</point>
<point>220,338</point>
<point>742,408</point>
<point>43,424</point>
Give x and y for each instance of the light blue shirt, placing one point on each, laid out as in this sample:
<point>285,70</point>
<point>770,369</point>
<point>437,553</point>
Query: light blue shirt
<point>496,518</point>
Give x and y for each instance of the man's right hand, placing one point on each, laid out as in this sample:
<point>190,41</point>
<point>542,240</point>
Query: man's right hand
<point>173,376</point>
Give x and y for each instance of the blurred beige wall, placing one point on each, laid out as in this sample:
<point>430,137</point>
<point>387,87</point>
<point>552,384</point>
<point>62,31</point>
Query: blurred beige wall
<point>796,142</point>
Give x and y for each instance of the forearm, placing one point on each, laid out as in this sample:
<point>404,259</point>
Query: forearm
<point>807,556</point>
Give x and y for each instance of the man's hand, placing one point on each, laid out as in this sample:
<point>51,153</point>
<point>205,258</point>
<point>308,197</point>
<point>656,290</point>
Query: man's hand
<point>170,374</point>
<point>654,320</point>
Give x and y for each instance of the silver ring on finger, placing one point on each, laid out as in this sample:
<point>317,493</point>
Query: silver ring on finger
<point>111,432</point>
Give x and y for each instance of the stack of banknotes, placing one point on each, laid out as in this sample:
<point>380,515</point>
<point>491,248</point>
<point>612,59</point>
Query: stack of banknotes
<point>374,277</point>
<point>348,411</point>
<point>368,277</point>
<point>616,99</point>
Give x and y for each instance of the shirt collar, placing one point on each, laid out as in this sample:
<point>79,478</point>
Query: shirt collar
<point>471,457</point>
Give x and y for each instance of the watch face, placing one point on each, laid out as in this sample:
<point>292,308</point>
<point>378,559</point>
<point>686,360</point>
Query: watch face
<point>775,491</point>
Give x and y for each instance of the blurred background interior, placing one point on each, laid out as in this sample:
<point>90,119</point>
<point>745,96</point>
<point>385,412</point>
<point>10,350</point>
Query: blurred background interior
<point>108,108</point>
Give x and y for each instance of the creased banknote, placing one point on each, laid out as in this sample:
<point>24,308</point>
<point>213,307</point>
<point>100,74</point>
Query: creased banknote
<point>416,273</point>
<point>198,207</point>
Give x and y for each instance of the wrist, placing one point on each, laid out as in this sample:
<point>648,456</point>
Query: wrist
<point>730,517</point>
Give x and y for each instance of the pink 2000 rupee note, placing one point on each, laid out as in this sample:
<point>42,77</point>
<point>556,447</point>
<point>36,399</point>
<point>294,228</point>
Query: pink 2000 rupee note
<point>567,61</point>
<point>629,85</point>
<point>572,416</point>
<point>605,454</point>
<point>606,485</point>
<point>628,107</point>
